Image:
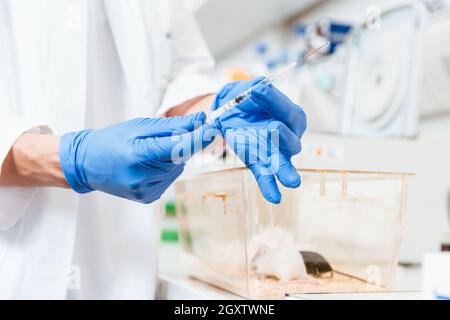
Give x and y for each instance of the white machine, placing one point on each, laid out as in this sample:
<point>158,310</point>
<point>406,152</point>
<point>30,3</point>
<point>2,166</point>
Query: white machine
<point>434,93</point>
<point>382,75</point>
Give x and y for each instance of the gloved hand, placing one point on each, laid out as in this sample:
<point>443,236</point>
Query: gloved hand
<point>137,160</point>
<point>265,132</point>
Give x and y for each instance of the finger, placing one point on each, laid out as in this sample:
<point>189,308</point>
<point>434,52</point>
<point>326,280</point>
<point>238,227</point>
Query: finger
<point>180,148</point>
<point>280,107</point>
<point>159,187</point>
<point>200,138</point>
<point>266,182</point>
<point>162,127</point>
<point>285,171</point>
<point>252,150</point>
<point>283,139</point>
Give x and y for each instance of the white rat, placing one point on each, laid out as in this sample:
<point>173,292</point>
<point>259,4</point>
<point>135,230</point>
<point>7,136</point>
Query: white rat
<point>278,256</point>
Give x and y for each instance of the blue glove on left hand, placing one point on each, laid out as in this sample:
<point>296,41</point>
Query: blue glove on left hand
<point>137,160</point>
<point>265,132</point>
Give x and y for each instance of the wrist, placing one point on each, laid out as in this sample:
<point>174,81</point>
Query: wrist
<point>33,161</point>
<point>71,147</point>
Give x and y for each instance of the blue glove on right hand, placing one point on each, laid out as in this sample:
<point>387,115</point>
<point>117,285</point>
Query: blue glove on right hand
<point>137,160</point>
<point>265,132</point>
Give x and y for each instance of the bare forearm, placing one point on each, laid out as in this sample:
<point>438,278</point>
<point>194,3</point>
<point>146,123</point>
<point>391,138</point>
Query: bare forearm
<point>33,161</point>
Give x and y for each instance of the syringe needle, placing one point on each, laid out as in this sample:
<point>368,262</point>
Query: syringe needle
<point>296,64</point>
<point>314,51</point>
<point>245,94</point>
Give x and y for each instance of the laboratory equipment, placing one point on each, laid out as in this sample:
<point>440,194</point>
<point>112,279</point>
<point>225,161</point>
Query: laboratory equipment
<point>427,218</point>
<point>339,232</point>
<point>389,91</point>
<point>213,116</point>
<point>434,94</point>
<point>319,89</point>
<point>336,32</point>
<point>383,75</point>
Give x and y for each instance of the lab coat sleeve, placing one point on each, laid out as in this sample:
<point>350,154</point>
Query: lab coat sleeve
<point>14,200</point>
<point>191,61</point>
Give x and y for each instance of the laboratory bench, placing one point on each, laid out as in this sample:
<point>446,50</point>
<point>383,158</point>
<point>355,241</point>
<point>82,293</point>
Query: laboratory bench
<point>175,284</point>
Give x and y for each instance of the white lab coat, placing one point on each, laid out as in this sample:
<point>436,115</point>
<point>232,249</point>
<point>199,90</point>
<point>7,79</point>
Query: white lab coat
<point>68,65</point>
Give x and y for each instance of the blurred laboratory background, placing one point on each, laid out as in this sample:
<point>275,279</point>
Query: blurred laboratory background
<point>377,101</point>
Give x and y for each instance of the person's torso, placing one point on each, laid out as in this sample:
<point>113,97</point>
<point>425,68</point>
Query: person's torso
<point>75,64</point>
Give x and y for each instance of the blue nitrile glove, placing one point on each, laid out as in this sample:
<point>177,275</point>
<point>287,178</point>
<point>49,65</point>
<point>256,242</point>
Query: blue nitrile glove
<point>252,130</point>
<point>137,160</point>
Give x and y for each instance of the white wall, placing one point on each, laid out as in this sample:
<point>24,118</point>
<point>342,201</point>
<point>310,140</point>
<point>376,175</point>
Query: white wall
<point>347,10</point>
<point>229,24</point>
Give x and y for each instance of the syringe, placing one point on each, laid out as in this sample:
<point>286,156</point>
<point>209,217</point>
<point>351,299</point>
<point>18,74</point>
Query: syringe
<point>213,116</point>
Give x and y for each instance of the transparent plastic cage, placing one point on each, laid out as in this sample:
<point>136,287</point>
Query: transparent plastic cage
<point>339,232</point>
